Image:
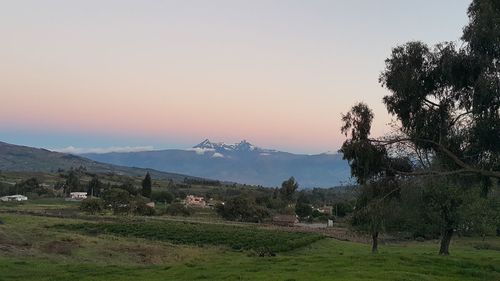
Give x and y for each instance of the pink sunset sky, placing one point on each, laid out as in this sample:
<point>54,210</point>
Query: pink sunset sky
<point>168,74</point>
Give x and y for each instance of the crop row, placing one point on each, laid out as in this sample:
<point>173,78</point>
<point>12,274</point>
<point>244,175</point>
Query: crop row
<point>236,237</point>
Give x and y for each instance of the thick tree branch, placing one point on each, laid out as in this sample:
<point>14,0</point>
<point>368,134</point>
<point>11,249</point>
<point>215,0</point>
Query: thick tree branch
<point>431,103</point>
<point>456,119</point>
<point>465,168</point>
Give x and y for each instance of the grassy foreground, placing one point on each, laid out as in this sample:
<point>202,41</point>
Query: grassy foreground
<point>31,248</point>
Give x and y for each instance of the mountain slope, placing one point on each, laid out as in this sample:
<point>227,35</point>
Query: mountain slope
<point>241,162</point>
<point>29,159</point>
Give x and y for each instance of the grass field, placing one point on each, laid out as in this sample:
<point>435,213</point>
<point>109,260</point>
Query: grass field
<point>31,248</point>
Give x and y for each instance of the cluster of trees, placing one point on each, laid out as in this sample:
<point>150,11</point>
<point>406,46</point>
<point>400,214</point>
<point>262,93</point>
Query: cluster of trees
<point>263,203</point>
<point>206,182</point>
<point>120,199</point>
<point>30,187</point>
<point>443,156</point>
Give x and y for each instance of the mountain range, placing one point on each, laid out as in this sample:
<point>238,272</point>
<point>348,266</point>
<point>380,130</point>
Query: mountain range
<point>241,162</point>
<point>28,159</point>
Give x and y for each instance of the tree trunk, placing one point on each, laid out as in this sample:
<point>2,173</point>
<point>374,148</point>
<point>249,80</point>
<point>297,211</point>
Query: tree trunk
<point>445,242</point>
<point>375,242</point>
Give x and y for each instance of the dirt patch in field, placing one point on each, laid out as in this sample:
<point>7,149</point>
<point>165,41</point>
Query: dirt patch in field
<point>144,254</point>
<point>61,247</point>
<point>10,244</point>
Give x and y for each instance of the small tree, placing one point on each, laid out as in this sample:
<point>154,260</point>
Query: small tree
<point>303,208</point>
<point>288,189</point>
<point>162,196</point>
<point>177,209</point>
<point>366,161</point>
<point>94,187</point>
<point>146,186</point>
<point>129,187</point>
<point>27,186</point>
<point>92,205</point>
<point>117,199</point>
<point>72,182</point>
<point>138,206</point>
<point>242,208</point>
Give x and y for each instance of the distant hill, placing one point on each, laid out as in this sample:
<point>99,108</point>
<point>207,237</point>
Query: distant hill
<point>28,159</point>
<point>241,162</point>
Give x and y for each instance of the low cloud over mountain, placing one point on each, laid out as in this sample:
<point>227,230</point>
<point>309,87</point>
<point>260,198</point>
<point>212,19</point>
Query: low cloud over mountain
<point>241,162</point>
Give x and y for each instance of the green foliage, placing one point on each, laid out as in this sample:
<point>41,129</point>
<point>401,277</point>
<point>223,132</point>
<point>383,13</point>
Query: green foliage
<point>146,186</point>
<point>117,199</point>
<point>162,196</point>
<point>178,209</point>
<point>92,205</point>
<point>372,206</point>
<point>237,238</point>
<point>242,208</point>
<point>138,207</point>
<point>72,183</point>
<point>450,97</point>
<point>365,159</point>
<point>288,189</point>
<point>341,209</point>
<point>94,186</point>
<point>303,210</point>
<point>30,186</point>
<point>129,187</point>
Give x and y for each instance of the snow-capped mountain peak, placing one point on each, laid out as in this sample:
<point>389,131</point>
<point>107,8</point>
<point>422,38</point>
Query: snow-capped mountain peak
<point>242,146</point>
<point>206,144</point>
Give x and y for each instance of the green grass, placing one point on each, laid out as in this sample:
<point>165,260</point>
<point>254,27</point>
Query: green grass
<point>114,257</point>
<point>236,237</point>
<point>40,204</point>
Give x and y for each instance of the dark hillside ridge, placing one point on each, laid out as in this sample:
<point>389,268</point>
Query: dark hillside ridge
<point>28,159</point>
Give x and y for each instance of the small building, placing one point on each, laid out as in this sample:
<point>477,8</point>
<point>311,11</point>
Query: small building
<point>13,198</point>
<point>325,210</point>
<point>151,204</point>
<point>285,220</point>
<point>78,195</point>
<point>195,201</point>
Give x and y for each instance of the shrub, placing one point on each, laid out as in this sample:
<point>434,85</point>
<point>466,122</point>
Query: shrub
<point>140,208</point>
<point>178,209</point>
<point>117,199</point>
<point>242,208</point>
<point>92,205</point>
<point>162,196</point>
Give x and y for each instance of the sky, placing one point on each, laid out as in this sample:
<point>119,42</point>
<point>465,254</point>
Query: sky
<point>150,74</point>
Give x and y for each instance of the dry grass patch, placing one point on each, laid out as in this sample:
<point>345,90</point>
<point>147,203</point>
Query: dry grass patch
<point>65,246</point>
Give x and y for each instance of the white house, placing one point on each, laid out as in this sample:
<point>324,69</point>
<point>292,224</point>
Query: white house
<point>78,195</point>
<point>13,198</point>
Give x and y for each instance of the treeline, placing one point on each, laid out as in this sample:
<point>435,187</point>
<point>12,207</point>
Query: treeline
<point>261,204</point>
<point>205,182</point>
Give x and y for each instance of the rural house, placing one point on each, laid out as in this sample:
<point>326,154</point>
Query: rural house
<point>195,201</point>
<point>13,198</point>
<point>78,195</point>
